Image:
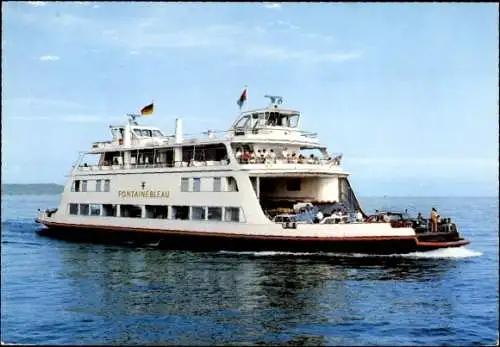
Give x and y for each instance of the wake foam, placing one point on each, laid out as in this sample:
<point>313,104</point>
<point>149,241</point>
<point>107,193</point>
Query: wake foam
<point>449,253</point>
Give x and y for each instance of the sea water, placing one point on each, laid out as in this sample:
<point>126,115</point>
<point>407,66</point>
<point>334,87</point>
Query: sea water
<point>59,292</point>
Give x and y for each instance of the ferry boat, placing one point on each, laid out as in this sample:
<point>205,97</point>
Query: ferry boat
<point>233,190</point>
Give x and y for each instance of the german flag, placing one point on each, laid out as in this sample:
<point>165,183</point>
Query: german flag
<point>147,110</point>
<point>242,98</point>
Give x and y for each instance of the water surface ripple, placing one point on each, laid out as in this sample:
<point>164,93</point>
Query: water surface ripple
<point>58,292</point>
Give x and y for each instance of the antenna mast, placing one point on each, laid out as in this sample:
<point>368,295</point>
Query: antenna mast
<point>132,117</point>
<point>274,100</point>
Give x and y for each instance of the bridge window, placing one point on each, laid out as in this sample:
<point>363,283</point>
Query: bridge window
<point>84,186</point>
<point>293,120</point>
<point>243,122</point>
<point>98,185</point>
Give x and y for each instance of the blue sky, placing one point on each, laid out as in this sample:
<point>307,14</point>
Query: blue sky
<point>407,92</point>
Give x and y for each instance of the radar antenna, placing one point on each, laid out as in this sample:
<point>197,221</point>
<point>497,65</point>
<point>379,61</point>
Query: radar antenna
<point>132,117</point>
<point>274,100</point>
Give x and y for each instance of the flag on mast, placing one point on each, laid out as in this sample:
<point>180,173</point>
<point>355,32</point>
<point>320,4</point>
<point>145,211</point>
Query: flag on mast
<point>242,98</point>
<point>147,110</point>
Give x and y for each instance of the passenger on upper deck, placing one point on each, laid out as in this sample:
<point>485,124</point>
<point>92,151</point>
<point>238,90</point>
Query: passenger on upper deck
<point>238,154</point>
<point>285,153</point>
<point>246,156</point>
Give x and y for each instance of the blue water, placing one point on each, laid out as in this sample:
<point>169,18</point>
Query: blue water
<point>57,292</point>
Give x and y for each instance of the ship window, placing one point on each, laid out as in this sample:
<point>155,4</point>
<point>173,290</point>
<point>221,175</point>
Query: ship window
<point>109,210</point>
<point>198,213</point>
<point>131,211</point>
<point>293,185</point>
<point>73,209</point>
<point>232,186</point>
<point>217,184</point>
<point>232,214</point>
<point>106,185</point>
<point>95,210</point>
<point>157,133</point>
<point>214,213</point>
<point>156,211</point>
<point>196,184</point>
<point>184,184</point>
<point>180,212</point>
<point>242,123</point>
<point>84,186</point>
<point>84,209</point>
<point>293,120</point>
<point>108,157</point>
<point>213,152</point>
<point>76,186</point>
<point>98,185</point>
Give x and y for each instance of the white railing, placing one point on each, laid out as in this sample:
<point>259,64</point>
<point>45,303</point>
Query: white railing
<point>209,163</point>
<point>331,161</point>
<point>283,164</point>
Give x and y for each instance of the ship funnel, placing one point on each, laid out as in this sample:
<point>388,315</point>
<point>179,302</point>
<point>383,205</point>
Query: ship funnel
<point>178,130</point>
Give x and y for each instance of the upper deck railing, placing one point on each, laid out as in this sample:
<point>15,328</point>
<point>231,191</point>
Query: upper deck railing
<point>271,163</point>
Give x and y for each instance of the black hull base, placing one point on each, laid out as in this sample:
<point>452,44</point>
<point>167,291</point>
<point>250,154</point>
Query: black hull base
<point>197,242</point>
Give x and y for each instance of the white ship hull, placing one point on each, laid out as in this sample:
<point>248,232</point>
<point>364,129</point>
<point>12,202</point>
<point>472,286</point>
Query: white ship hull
<point>207,194</point>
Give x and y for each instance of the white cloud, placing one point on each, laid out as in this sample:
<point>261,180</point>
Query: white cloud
<point>49,58</point>
<point>37,3</point>
<point>235,40</point>
<point>272,6</point>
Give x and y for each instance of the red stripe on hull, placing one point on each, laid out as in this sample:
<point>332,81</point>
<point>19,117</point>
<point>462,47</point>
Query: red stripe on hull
<point>426,245</point>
